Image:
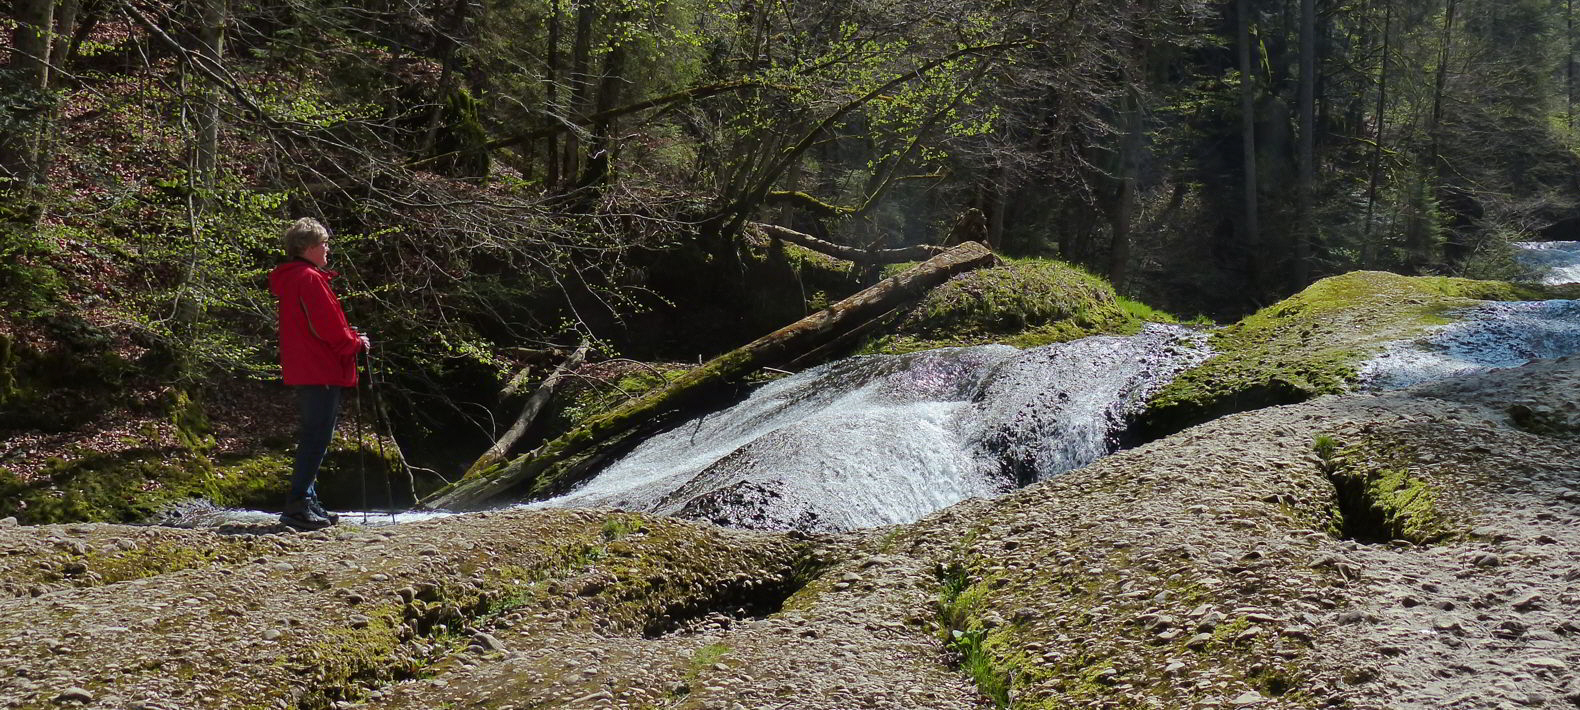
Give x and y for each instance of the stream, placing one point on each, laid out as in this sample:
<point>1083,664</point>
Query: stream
<point>886,439</point>
<point>1552,263</point>
<point>883,439</point>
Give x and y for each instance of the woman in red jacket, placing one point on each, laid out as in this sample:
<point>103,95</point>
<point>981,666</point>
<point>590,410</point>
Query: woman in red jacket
<point>318,356</point>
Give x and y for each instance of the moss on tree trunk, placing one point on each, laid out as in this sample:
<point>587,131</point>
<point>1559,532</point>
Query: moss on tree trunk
<point>560,463</point>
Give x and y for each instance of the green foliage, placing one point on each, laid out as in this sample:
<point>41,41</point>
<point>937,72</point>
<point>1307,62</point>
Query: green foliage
<point>1326,448</point>
<point>127,487</point>
<point>702,660</point>
<point>586,399</point>
<point>618,526</point>
<point>29,288</point>
<point>959,602</point>
<point>463,132</point>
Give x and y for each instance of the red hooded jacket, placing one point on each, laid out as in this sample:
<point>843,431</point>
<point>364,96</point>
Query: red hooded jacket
<point>317,345</point>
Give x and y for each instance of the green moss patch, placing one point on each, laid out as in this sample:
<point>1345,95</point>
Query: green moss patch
<point>128,486</point>
<point>1377,498</point>
<point>55,390</point>
<point>605,386</point>
<point>1309,344</point>
<point>1025,303</point>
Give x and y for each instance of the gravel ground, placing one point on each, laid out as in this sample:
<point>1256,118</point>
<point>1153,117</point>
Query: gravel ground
<point>1205,570</point>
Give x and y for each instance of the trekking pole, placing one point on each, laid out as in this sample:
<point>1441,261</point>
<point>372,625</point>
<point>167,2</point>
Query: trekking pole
<point>379,416</point>
<point>362,460</point>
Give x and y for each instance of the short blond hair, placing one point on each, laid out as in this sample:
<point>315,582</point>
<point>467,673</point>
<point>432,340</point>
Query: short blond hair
<point>303,233</point>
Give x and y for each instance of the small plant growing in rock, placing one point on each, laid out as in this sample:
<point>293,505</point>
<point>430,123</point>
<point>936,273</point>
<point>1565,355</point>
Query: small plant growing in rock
<point>1327,450</point>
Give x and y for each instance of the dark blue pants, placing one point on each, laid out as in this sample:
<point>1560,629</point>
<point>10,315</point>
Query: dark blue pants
<point>317,407</point>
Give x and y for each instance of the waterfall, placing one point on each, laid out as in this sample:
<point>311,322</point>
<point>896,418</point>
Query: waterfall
<point>884,439</point>
<point>1492,335</point>
<point>1553,262</point>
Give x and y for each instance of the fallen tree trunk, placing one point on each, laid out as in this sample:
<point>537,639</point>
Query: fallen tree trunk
<point>838,251</point>
<point>559,464</point>
<point>529,412</point>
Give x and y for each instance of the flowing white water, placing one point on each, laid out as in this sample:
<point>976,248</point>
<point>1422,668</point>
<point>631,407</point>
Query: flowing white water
<point>1494,335</point>
<point>198,513</point>
<point>1490,336</point>
<point>887,439</point>
<point>1554,262</point>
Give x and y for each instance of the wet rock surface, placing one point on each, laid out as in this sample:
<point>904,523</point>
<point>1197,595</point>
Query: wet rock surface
<point>886,439</point>
<point>1205,570</point>
<point>1552,262</point>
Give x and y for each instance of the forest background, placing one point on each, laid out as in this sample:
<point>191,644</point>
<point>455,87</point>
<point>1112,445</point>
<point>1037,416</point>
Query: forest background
<point>667,179</point>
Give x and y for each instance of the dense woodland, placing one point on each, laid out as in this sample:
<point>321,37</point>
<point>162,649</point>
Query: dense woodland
<point>665,178</point>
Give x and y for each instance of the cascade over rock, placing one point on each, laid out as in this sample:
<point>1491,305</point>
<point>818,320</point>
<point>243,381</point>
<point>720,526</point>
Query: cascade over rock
<point>1553,262</point>
<point>878,440</point>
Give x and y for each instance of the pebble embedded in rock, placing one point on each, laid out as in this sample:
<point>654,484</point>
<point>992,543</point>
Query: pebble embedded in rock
<point>74,695</point>
<point>1249,697</point>
<point>1547,664</point>
<point>487,642</point>
<point>1528,601</point>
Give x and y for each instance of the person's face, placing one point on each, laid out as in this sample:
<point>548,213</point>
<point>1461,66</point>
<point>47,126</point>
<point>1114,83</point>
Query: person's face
<point>318,254</point>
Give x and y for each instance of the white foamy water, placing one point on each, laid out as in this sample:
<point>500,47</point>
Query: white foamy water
<point>1553,262</point>
<point>198,513</point>
<point>1490,336</point>
<point>877,440</point>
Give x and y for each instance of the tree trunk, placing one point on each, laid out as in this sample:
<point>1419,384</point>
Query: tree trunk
<point>19,146</point>
<point>1125,205</point>
<point>559,464</point>
<point>839,251</point>
<point>551,174</point>
<point>1253,236</point>
<point>529,412</point>
<point>581,84</point>
<point>1418,232</point>
<point>1305,226</point>
<point>611,85</point>
<point>997,203</point>
<point>210,48</point>
<point>1368,245</point>
<point>450,36</point>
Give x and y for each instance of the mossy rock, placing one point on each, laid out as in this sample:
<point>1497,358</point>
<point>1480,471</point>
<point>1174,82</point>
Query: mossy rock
<point>1023,302</point>
<point>1380,496</point>
<point>148,475</point>
<point>1311,343</point>
<point>129,486</point>
<point>603,387</point>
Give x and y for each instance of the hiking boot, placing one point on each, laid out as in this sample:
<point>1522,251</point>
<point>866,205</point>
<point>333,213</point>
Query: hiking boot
<point>298,514</point>
<point>318,508</point>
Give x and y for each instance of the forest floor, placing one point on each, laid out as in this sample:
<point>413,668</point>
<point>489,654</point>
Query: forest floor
<point>1427,557</point>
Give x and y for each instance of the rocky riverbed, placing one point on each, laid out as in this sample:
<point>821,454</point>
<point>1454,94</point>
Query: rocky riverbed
<point>1415,549</point>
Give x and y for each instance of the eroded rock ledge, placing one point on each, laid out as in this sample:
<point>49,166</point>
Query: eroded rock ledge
<point>1414,549</point>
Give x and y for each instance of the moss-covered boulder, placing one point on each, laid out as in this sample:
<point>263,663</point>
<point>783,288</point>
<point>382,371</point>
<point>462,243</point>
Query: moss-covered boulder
<point>171,454</point>
<point>1310,343</point>
<point>1025,303</point>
